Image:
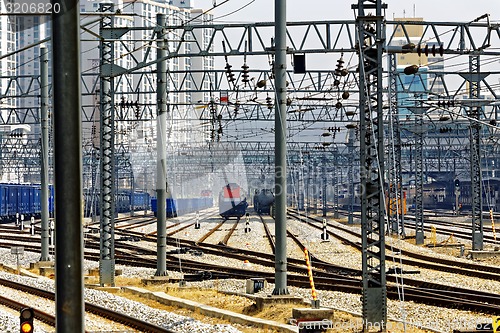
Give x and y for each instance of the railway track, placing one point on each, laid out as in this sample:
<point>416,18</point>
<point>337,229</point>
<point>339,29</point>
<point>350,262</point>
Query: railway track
<point>414,259</point>
<point>327,275</point>
<point>89,307</point>
<point>487,239</point>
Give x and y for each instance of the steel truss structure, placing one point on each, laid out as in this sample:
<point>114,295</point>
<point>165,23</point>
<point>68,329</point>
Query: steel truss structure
<point>314,101</point>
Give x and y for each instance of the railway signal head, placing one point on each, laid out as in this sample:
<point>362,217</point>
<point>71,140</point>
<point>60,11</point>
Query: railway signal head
<point>457,183</point>
<point>26,317</point>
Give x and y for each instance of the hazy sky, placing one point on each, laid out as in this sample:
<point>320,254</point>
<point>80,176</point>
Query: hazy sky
<point>303,10</point>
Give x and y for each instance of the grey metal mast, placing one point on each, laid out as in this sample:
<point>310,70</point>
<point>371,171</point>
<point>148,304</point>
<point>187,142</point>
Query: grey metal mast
<point>44,163</point>
<point>161,168</point>
<point>371,43</point>
<point>396,182</point>
<point>280,147</point>
<point>107,244</point>
<point>474,111</point>
<point>350,175</point>
<point>419,172</point>
<point>68,167</point>
<point>324,184</point>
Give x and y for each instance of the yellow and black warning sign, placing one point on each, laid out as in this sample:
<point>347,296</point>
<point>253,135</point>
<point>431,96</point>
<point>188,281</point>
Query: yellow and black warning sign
<point>496,324</point>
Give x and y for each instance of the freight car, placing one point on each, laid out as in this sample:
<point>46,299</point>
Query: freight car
<point>176,207</point>
<point>125,201</point>
<point>23,199</point>
<point>263,201</point>
<point>232,201</point>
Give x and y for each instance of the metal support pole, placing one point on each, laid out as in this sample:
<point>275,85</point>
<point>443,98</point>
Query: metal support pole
<point>44,163</point>
<point>316,187</point>
<point>280,148</point>
<point>371,42</point>
<point>419,174</point>
<point>350,175</point>
<point>68,167</point>
<point>474,112</point>
<point>396,202</point>
<point>336,181</point>
<point>324,187</point>
<point>107,160</point>
<point>161,132</point>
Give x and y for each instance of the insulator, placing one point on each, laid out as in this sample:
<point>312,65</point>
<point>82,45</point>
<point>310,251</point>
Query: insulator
<point>326,144</point>
<point>419,50</point>
<point>336,83</point>
<point>411,70</point>
<point>229,73</point>
<point>351,125</point>
<point>326,134</point>
<point>245,75</point>
<point>493,122</point>
<point>269,102</point>
<point>288,101</point>
<point>344,72</point>
<point>338,105</point>
<point>345,95</point>
<point>350,113</point>
<point>444,118</point>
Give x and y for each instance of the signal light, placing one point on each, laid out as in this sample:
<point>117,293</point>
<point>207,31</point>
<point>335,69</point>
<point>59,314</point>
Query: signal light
<point>457,183</point>
<point>26,317</point>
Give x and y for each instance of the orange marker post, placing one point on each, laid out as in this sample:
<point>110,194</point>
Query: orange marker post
<point>309,273</point>
<point>493,225</point>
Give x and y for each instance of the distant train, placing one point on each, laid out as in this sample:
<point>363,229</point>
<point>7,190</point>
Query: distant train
<point>263,201</point>
<point>125,201</point>
<point>22,199</point>
<point>441,195</point>
<point>232,201</point>
<point>176,207</point>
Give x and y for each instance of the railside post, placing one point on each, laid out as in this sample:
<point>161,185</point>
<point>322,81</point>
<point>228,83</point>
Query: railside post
<point>44,177</point>
<point>161,167</point>
<point>280,145</point>
<point>68,167</point>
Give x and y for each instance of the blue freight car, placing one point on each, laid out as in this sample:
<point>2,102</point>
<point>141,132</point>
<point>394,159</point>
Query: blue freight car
<point>22,199</point>
<point>176,207</point>
<point>125,201</point>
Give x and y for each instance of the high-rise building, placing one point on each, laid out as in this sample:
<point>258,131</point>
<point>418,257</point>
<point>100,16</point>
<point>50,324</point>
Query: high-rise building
<point>7,65</point>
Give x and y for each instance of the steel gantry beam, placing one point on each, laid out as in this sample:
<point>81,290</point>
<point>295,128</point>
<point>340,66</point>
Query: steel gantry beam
<point>107,149</point>
<point>371,42</point>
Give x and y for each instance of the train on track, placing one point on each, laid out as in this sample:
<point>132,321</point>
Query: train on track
<point>22,199</point>
<point>125,201</point>
<point>176,207</point>
<point>263,201</point>
<point>232,201</point>
<point>441,195</point>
